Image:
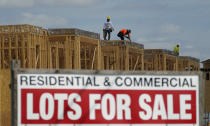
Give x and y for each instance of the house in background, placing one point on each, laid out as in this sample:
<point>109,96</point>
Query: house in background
<point>206,71</point>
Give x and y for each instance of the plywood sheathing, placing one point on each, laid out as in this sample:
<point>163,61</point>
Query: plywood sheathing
<point>160,59</point>
<point>187,63</point>
<point>5,98</point>
<point>122,55</point>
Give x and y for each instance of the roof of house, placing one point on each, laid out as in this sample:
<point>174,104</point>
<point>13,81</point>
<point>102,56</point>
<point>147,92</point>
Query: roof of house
<point>206,61</point>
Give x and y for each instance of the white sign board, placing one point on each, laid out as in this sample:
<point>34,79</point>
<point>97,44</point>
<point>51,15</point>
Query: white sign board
<point>131,100</point>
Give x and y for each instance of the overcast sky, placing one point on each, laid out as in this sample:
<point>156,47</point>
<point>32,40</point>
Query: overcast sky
<point>154,23</point>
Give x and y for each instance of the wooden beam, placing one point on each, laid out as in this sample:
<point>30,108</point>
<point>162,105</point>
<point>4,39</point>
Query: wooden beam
<point>142,60</point>
<point>77,53</point>
<point>93,58</point>
<point>67,52</point>
<point>99,56</point>
<point>57,56</point>
<point>176,64</point>
<point>126,58</point>
<point>37,60</point>
<point>164,62</point>
<point>136,63</point>
<point>10,49</point>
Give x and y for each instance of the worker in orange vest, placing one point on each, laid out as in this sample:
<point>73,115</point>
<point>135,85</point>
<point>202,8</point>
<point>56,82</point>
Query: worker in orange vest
<point>124,33</point>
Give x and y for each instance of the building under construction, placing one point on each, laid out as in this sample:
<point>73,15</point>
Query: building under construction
<point>68,48</point>
<point>160,60</point>
<point>26,43</point>
<point>122,55</point>
<point>206,71</point>
<point>73,49</point>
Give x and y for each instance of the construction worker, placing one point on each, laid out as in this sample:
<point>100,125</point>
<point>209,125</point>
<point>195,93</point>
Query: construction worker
<point>176,49</point>
<point>108,28</point>
<point>124,33</point>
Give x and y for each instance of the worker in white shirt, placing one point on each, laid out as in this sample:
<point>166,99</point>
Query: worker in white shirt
<point>108,28</point>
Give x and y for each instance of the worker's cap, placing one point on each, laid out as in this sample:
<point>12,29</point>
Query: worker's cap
<point>108,18</point>
<point>129,31</point>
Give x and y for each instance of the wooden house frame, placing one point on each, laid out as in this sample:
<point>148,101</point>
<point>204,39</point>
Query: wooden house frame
<point>26,43</point>
<point>122,55</point>
<point>160,60</point>
<point>74,49</point>
<point>187,63</point>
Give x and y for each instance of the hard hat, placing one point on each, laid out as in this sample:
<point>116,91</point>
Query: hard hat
<point>108,18</point>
